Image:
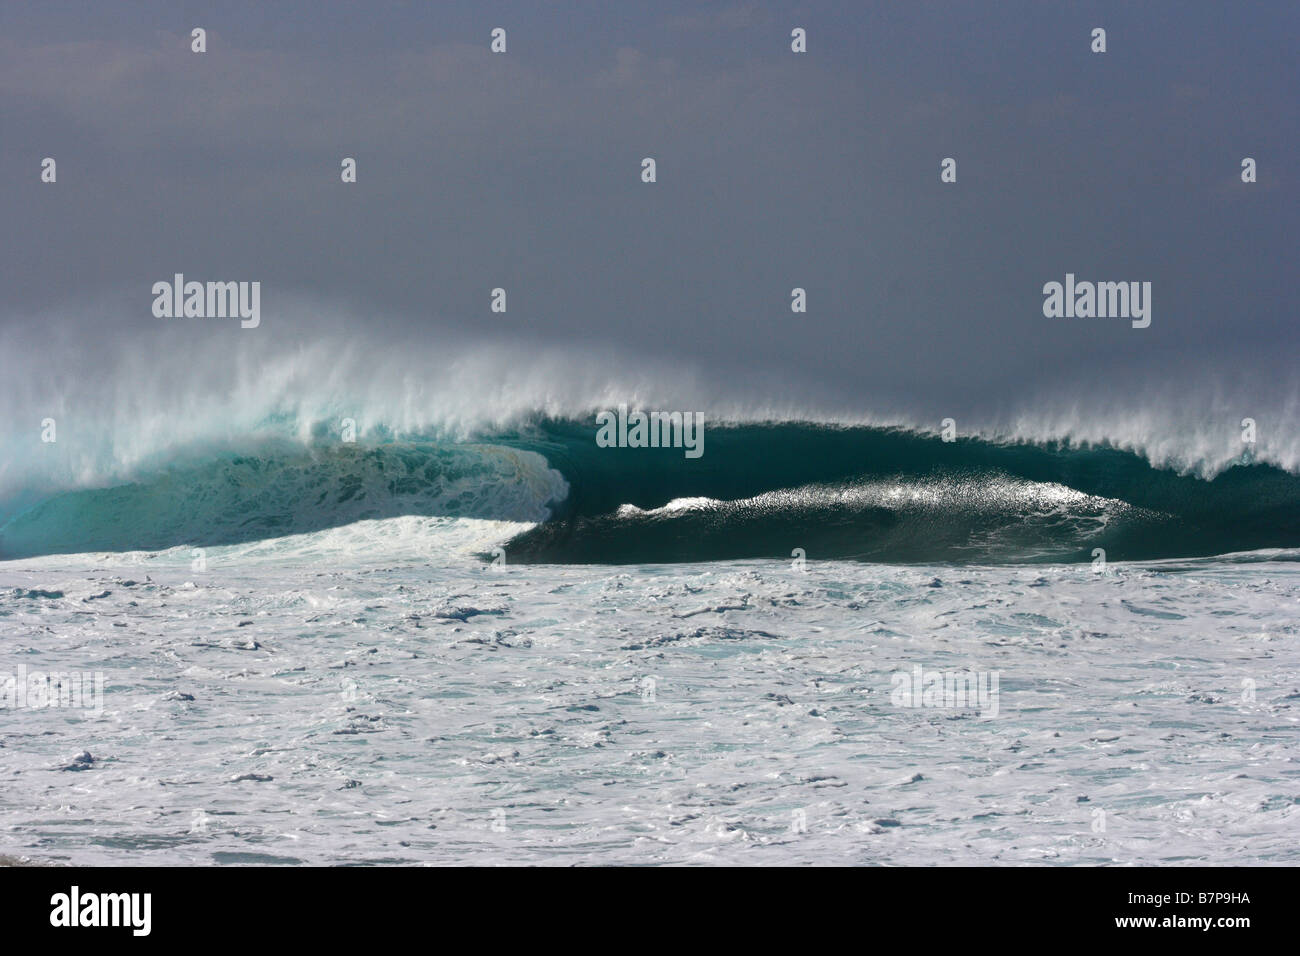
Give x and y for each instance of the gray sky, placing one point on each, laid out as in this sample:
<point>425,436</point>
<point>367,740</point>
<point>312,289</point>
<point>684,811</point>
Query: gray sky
<point>775,170</point>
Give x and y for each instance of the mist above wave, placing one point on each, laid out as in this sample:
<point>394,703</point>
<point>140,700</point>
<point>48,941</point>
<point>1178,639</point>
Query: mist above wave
<point>130,403</point>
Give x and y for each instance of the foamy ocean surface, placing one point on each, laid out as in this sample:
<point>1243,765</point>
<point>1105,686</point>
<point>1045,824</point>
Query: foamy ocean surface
<point>294,703</point>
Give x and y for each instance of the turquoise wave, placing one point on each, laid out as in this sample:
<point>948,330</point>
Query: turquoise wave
<point>759,490</point>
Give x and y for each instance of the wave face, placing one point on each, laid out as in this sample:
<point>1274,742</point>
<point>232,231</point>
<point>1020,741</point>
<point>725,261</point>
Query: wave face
<point>759,491</point>
<point>892,495</point>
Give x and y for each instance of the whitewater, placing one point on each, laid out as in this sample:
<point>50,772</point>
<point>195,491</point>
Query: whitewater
<point>378,693</point>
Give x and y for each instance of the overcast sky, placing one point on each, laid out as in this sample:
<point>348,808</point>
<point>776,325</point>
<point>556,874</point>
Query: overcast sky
<point>775,170</point>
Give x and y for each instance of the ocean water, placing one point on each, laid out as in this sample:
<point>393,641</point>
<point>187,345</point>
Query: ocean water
<point>813,643</point>
<point>344,570</point>
<point>382,692</point>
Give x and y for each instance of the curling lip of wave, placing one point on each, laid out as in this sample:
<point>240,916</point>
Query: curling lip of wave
<point>289,489</point>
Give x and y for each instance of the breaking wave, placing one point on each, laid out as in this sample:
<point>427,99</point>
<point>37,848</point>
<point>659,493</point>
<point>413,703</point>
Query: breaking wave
<point>760,490</point>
